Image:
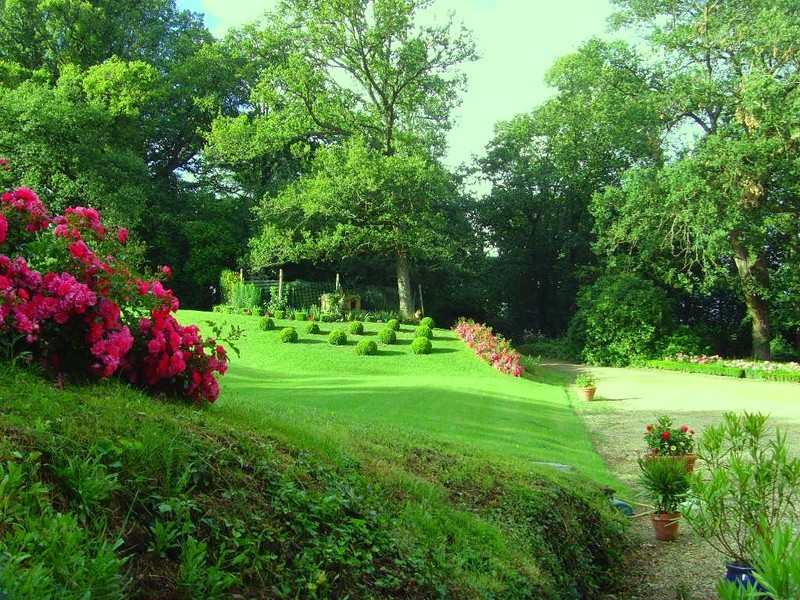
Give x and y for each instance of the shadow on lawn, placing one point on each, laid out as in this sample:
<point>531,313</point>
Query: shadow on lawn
<point>486,419</point>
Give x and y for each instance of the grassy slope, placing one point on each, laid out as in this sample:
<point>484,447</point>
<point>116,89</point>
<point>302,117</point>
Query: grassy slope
<point>319,473</point>
<point>448,396</point>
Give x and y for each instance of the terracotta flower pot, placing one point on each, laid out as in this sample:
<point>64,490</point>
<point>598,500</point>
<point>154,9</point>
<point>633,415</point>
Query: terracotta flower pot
<point>587,392</point>
<point>665,526</point>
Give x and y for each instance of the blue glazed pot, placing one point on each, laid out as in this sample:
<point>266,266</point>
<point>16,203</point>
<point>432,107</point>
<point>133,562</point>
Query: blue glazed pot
<point>742,577</point>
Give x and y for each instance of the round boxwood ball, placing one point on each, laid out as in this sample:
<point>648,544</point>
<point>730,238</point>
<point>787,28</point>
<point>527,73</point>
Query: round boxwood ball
<point>366,348</point>
<point>423,331</point>
<point>394,324</point>
<point>427,321</point>
<point>266,324</point>
<point>312,327</point>
<point>337,338</point>
<point>288,335</point>
<point>421,345</point>
<point>387,336</point>
<point>356,327</point>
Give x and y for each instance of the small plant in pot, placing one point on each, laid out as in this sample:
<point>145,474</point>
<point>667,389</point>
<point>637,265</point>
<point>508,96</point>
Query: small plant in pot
<point>667,485</point>
<point>665,439</point>
<point>587,385</point>
<point>751,488</point>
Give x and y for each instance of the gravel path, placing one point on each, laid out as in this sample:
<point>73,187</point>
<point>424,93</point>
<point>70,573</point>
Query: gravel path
<point>627,400</point>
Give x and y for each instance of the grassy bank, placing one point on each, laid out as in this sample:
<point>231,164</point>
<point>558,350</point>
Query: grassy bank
<point>319,473</point>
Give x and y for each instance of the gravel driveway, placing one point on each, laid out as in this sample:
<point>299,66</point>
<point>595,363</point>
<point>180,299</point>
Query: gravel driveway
<point>627,400</point>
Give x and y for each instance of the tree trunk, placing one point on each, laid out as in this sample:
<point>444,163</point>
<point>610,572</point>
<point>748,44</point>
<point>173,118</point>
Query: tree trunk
<point>754,277</point>
<point>404,286</point>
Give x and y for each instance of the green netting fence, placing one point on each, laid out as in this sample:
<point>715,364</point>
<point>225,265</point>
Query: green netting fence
<point>302,294</point>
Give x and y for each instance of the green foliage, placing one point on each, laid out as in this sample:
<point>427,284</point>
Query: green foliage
<point>423,331</point>
<point>300,315</point>
<point>783,351</point>
<point>387,336</point>
<point>288,335</point>
<point>558,349</point>
<point>753,485</point>
<point>393,324</point>
<point>266,324</point>
<point>367,347</point>
<point>280,314</point>
<point>355,327</point>
<point>312,327</point>
<point>665,481</point>
<point>337,337</point>
<point>245,297</point>
<point>327,317</point>
<point>585,380</point>
<point>421,345</point>
<point>620,318</point>
<point>427,321</point>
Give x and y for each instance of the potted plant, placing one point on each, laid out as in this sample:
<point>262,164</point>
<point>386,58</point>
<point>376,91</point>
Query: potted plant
<point>587,385</point>
<point>664,439</point>
<point>667,484</point>
<point>751,488</point>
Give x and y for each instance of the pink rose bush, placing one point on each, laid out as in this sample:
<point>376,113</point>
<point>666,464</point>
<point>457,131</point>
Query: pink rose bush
<point>492,348</point>
<point>70,300</point>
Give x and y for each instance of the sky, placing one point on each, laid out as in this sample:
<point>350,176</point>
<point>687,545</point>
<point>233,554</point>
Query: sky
<point>517,40</point>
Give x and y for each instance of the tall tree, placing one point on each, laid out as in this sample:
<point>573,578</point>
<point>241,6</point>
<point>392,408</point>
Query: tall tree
<point>360,69</point>
<point>545,166</point>
<point>727,202</point>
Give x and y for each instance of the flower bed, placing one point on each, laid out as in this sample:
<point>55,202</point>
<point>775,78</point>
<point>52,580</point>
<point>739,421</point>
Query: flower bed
<point>492,348</point>
<point>71,301</point>
<point>716,365</point>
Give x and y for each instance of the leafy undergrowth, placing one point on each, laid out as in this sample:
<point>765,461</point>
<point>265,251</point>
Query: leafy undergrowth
<point>106,493</point>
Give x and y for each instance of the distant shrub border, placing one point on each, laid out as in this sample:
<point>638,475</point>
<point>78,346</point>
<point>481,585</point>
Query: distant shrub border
<point>492,348</point>
<point>70,301</point>
<point>716,365</point>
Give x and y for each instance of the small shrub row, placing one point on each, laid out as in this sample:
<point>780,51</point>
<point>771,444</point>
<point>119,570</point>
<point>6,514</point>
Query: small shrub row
<point>387,336</point>
<point>337,338</point>
<point>366,348</point>
<point>708,369</point>
<point>421,345</point>
<point>288,335</point>
<point>423,331</point>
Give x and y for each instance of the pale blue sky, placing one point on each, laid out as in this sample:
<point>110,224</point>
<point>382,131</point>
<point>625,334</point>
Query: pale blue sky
<point>518,40</point>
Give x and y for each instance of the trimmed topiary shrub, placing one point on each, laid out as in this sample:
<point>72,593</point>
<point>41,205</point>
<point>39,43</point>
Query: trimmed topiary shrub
<point>427,321</point>
<point>288,335</point>
<point>394,324</point>
<point>421,345</point>
<point>300,315</point>
<point>387,336</point>
<point>337,338</point>
<point>356,327</point>
<point>366,348</point>
<point>266,324</point>
<point>423,331</point>
<point>327,317</point>
<point>312,327</point>
<point>280,314</point>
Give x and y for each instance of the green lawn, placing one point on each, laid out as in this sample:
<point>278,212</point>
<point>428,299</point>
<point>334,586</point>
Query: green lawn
<point>449,397</point>
<point>319,473</point>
